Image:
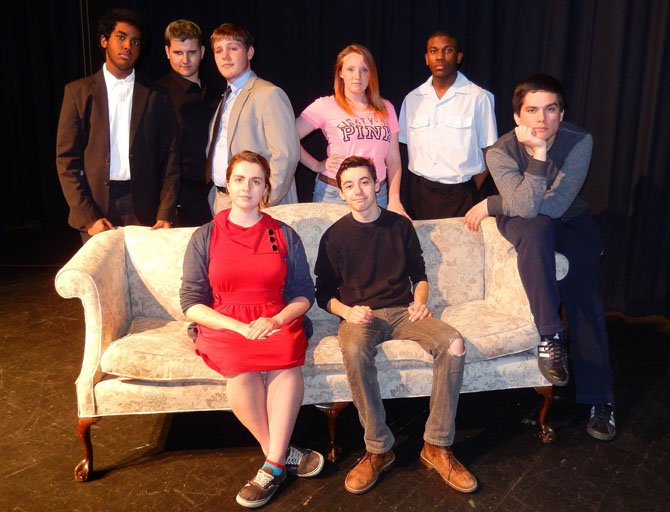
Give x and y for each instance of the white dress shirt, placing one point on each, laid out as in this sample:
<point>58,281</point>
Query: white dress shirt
<point>120,104</point>
<point>221,157</point>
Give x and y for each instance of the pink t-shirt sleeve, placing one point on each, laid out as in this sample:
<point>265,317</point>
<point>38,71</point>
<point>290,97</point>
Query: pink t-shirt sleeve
<point>317,112</point>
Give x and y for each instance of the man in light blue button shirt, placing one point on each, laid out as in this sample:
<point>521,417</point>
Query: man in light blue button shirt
<point>445,122</point>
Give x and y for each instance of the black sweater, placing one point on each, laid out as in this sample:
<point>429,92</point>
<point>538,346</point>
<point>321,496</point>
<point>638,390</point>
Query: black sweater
<point>369,264</point>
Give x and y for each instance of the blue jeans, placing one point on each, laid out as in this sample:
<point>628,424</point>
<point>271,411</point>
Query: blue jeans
<point>325,193</point>
<point>359,347</point>
<point>578,239</point>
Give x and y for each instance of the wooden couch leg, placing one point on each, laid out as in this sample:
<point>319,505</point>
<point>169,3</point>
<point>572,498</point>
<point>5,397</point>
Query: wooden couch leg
<point>545,433</point>
<point>332,412</point>
<point>84,469</point>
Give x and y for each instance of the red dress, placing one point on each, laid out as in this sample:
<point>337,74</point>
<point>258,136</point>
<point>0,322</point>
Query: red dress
<point>247,273</point>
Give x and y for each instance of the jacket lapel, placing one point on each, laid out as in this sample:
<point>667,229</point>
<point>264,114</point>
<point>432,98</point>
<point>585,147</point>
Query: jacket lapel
<point>100,106</point>
<point>241,99</point>
<point>140,97</point>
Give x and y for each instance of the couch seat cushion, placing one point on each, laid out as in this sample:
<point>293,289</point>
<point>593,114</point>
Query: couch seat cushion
<point>489,333</point>
<point>160,350</point>
<point>156,350</point>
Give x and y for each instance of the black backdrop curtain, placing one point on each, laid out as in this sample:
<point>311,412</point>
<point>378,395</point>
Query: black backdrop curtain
<point>613,57</point>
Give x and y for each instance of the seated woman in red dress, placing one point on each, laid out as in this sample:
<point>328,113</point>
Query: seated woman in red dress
<point>246,283</point>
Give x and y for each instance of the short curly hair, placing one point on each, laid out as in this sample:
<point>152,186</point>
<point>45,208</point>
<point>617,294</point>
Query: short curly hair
<point>109,20</point>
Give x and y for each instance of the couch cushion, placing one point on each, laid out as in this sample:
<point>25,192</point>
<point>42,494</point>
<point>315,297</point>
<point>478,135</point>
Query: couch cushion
<point>454,255</point>
<point>157,350</point>
<point>454,259</point>
<point>154,260</point>
<point>160,350</point>
<point>310,221</point>
<point>490,334</point>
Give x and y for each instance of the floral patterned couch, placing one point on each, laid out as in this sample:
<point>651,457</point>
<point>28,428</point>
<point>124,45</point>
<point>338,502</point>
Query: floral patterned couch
<point>138,357</point>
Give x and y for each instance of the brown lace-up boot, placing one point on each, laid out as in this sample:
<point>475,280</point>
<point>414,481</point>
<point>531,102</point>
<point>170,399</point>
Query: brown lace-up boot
<point>442,460</point>
<point>364,475</point>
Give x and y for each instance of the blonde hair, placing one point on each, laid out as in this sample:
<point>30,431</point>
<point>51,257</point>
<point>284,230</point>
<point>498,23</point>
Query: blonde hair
<point>182,30</point>
<point>371,92</point>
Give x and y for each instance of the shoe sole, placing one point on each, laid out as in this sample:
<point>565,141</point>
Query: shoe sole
<point>385,467</point>
<point>599,435</point>
<point>254,504</point>
<point>316,470</point>
<point>558,383</point>
<point>432,467</point>
<point>553,381</point>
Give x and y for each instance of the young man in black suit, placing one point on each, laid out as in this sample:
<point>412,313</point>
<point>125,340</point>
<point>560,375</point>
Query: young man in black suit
<point>116,149</point>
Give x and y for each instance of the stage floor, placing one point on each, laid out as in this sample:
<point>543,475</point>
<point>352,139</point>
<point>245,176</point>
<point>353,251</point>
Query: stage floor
<point>199,461</point>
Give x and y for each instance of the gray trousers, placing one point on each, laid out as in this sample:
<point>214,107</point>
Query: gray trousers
<point>359,347</point>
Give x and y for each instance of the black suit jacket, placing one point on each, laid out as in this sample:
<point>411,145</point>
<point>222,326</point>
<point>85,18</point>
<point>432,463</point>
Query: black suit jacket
<point>83,152</point>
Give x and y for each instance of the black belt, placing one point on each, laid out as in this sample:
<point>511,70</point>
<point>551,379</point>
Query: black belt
<point>119,183</point>
<point>438,184</point>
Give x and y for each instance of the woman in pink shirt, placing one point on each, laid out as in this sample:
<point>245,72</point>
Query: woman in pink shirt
<point>356,120</point>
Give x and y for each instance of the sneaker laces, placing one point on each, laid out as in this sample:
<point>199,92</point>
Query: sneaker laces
<point>602,413</point>
<point>263,479</point>
<point>294,455</point>
<point>552,349</point>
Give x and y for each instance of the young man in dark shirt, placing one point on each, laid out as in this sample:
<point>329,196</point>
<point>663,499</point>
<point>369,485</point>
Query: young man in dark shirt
<point>194,108</point>
<point>381,293</point>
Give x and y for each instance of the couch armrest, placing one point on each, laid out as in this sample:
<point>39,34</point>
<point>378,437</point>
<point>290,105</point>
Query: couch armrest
<point>502,284</point>
<point>96,275</point>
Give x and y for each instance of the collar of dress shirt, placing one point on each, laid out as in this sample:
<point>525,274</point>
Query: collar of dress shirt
<point>185,84</point>
<point>460,86</point>
<point>239,82</point>
<point>111,80</point>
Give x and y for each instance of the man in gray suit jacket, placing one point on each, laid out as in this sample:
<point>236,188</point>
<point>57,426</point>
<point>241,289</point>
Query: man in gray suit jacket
<point>253,115</point>
<point>116,151</point>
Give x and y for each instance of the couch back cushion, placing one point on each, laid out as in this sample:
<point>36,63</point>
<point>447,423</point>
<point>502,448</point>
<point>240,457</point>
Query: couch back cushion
<point>454,259</point>
<point>454,256</point>
<point>154,259</point>
<point>154,262</point>
<point>310,221</point>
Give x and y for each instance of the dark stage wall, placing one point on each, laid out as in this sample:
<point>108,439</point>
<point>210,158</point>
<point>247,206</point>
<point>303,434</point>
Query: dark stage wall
<point>613,57</point>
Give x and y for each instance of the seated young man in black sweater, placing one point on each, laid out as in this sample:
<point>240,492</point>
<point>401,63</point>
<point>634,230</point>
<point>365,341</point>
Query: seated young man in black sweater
<point>368,262</point>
